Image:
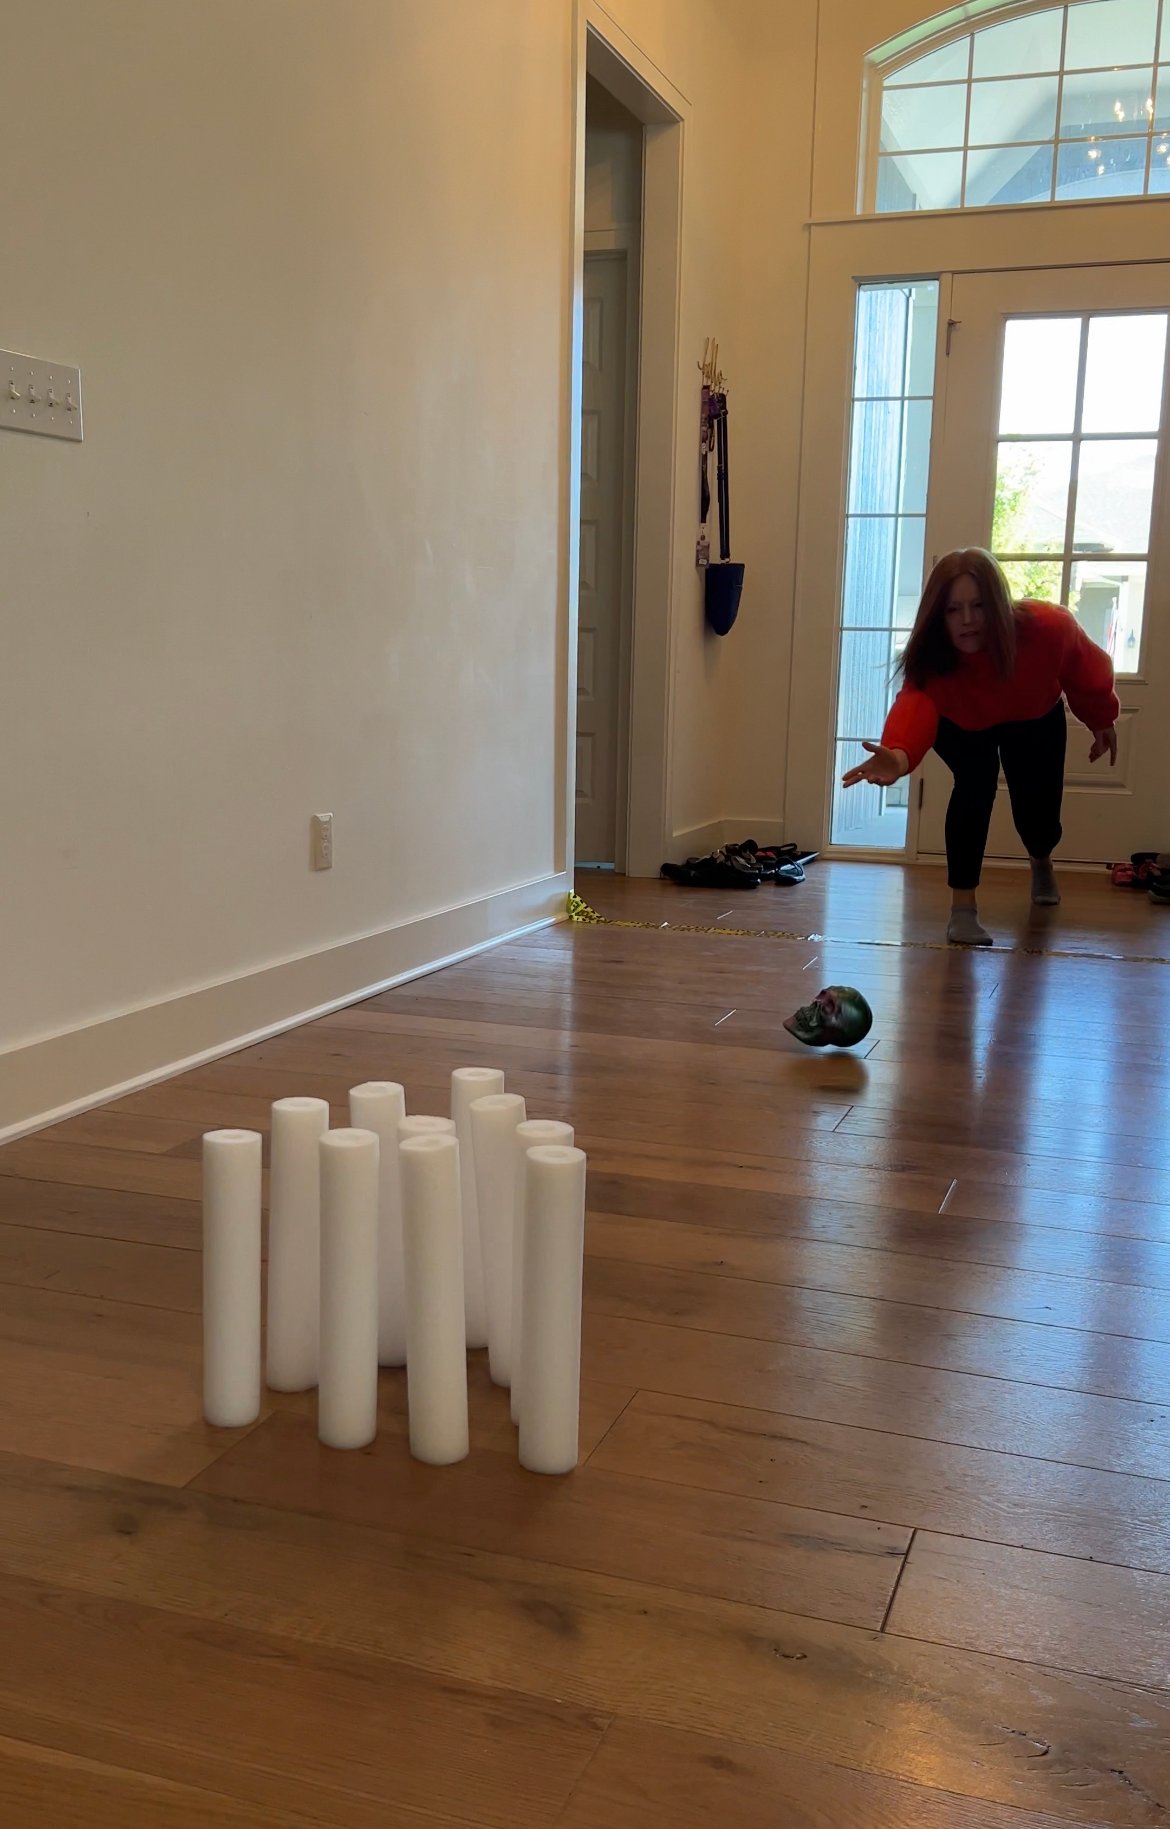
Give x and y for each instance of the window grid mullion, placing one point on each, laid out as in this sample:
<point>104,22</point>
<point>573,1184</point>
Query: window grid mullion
<point>1057,139</point>
<point>1074,480</point>
<point>967,121</point>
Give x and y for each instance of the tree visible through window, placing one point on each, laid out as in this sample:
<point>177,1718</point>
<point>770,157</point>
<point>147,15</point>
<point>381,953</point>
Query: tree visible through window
<point>1062,104</point>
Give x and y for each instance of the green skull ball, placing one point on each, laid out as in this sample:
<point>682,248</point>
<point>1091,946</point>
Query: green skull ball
<point>837,1017</point>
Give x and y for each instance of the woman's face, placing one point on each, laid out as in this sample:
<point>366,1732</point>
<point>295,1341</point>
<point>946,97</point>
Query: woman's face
<point>966,617</point>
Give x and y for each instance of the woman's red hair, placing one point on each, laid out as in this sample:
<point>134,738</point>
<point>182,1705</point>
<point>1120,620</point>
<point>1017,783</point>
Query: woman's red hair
<point>930,650</point>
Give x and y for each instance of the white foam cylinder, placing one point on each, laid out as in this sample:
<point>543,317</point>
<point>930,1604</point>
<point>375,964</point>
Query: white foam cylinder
<point>347,1394</point>
<point>532,1134</point>
<point>380,1106</point>
<point>423,1126</point>
<point>493,1134</point>
<point>436,1344</point>
<point>231,1277</point>
<point>554,1251</point>
<point>467,1085</point>
<point>294,1243</point>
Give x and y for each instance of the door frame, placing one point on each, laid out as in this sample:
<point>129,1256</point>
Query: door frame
<point>924,245</point>
<point>625,244</point>
<point>604,51</point>
<point>974,309</point>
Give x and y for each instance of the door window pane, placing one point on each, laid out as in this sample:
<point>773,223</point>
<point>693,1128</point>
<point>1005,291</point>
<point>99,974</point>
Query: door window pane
<point>867,817</point>
<point>1039,578</point>
<point>1115,495</point>
<point>1123,373</point>
<point>879,367</point>
<point>915,457</point>
<point>922,328</point>
<point>866,683</point>
<point>1020,44</point>
<point>1041,360</point>
<point>1108,601</point>
<point>1031,497</point>
<point>1020,108</point>
<point>896,328</point>
<point>1162,97</point>
<point>1110,32</point>
<point>911,570</point>
<point>870,555</point>
<point>875,466</point>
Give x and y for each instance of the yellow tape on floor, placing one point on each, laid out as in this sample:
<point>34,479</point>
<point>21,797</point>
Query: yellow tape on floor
<point>581,912</point>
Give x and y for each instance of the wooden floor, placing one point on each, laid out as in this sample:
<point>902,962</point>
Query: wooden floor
<point>872,1527</point>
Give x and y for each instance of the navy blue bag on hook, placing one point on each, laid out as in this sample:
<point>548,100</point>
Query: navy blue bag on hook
<point>724,582</point>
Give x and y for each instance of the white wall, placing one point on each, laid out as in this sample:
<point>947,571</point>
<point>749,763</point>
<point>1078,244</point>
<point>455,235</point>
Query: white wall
<point>313,552</point>
<point>309,554</point>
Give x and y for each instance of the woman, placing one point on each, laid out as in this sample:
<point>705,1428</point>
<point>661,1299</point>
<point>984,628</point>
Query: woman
<point>985,681</point>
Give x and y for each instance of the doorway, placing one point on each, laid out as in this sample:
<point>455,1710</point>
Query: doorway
<point>609,371</point>
<point>611,66</point>
<point>1054,453</point>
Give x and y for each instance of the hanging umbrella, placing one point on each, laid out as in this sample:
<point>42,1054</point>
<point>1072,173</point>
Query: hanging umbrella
<point>723,586</point>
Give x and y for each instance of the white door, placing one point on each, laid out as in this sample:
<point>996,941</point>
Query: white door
<point>600,621</point>
<point>1054,453</point>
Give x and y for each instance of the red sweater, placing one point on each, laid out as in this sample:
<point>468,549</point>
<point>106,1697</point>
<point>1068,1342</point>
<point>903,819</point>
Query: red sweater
<point>1054,656</point>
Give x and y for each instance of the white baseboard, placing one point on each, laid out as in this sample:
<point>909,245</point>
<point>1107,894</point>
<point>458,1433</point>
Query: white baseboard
<point>44,1081</point>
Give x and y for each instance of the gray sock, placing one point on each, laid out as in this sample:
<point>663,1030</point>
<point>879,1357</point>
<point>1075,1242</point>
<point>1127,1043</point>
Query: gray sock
<point>963,929</point>
<point>1045,893</point>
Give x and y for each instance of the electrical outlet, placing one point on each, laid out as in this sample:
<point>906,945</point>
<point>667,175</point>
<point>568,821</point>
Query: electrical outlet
<point>321,828</point>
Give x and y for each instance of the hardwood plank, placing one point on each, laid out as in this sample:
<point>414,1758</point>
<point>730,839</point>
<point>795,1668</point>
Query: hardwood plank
<point>1004,1498</point>
<point>157,1276</point>
<point>146,1219</point>
<point>103,1386</point>
<point>275,1720</point>
<point>1042,1207</point>
<point>736,1549</point>
<point>1118,1257</point>
<point>116,1387</point>
<point>872,1327</point>
<point>1068,1297</point>
<point>42,1786</point>
<point>632,1330</point>
<point>1094,1617</point>
<point>647,1777</point>
<point>108,1128</point>
<point>83,1165</point>
<point>720,1169</point>
<point>340,1593</point>
<point>1019,1131</point>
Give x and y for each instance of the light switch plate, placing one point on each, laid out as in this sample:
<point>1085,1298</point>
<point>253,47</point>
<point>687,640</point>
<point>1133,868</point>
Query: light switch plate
<point>39,396</point>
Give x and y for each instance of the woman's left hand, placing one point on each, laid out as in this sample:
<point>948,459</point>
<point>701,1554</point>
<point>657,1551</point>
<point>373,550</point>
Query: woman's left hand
<point>1105,740</point>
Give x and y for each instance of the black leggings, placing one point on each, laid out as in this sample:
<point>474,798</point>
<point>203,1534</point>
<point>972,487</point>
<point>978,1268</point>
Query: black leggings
<point>1032,753</point>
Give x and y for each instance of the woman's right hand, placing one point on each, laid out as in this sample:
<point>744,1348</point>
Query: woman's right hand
<point>885,766</point>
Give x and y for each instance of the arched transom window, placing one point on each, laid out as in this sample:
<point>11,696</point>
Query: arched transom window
<point>1054,105</point>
